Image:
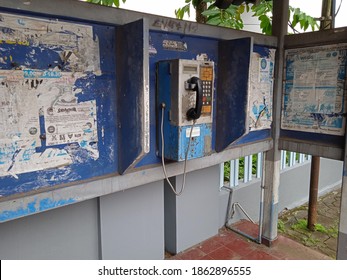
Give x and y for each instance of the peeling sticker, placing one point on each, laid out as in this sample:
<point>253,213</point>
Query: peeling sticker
<point>40,110</point>
<point>261,90</point>
<point>175,45</point>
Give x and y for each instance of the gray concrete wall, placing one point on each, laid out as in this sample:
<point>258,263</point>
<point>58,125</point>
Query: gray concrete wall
<point>193,216</point>
<point>69,232</point>
<point>132,223</point>
<point>124,225</point>
<point>293,191</point>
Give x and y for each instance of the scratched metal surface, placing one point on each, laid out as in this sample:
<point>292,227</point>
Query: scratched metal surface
<point>232,101</point>
<point>92,86</point>
<point>133,94</point>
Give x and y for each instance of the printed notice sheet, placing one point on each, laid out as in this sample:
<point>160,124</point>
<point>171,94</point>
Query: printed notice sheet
<point>43,105</point>
<point>314,90</point>
<point>261,91</point>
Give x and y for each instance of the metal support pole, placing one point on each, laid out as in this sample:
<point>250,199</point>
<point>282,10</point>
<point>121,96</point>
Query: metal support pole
<point>313,199</point>
<point>342,238</point>
<point>341,253</point>
<point>273,158</point>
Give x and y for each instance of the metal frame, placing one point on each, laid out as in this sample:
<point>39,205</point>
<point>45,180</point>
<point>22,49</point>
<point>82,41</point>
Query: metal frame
<point>326,37</point>
<point>21,205</point>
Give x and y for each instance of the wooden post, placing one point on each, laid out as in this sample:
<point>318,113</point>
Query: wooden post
<point>326,23</point>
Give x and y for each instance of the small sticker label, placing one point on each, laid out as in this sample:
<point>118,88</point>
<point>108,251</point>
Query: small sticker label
<point>195,132</point>
<point>175,45</point>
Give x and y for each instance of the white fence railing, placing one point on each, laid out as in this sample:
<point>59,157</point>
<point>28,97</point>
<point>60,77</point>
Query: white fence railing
<point>245,169</point>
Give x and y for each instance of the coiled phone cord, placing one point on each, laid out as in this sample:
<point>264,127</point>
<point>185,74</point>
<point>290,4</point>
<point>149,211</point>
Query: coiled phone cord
<point>162,154</point>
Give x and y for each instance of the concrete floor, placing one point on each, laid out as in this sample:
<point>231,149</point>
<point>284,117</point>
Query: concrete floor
<point>295,241</point>
<point>228,245</point>
<point>293,224</point>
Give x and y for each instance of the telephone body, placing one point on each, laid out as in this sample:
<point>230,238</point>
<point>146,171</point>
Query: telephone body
<point>185,102</point>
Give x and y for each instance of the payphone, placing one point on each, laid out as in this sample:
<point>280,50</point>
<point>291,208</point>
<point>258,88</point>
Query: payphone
<point>185,108</point>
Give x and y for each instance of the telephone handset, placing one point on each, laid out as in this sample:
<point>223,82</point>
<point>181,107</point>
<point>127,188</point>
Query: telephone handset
<point>195,84</point>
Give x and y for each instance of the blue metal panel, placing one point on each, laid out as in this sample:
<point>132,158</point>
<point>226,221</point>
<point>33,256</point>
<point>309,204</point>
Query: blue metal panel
<point>133,94</point>
<point>199,145</point>
<point>194,46</point>
<point>96,87</point>
<point>232,97</point>
<point>253,136</point>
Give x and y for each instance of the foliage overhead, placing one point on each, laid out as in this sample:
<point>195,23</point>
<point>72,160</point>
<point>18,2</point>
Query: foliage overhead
<point>208,11</point>
<point>231,16</point>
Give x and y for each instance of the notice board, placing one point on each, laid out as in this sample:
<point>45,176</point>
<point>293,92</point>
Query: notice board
<point>314,98</point>
<point>57,102</point>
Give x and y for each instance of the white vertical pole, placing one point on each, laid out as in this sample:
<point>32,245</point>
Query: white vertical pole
<point>246,169</point>
<point>283,159</point>
<point>291,158</point>
<point>234,173</point>
<point>259,165</point>
<point>221,176</point>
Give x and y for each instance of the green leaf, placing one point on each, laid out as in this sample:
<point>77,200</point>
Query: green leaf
<point>211,13</point>
<point>180,12</point>
<point>295,20</point>
<point>214,21</point>
<point>232,9</point>
<point>241,9</point>
<point>261,10</point>
<point>306,25</point>
<point>268,30</point>
<point>302,23</point>
<point>116,3</point>
<point>108,2</point>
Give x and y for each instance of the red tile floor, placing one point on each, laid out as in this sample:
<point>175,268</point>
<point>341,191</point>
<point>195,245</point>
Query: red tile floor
<point>228,245</point>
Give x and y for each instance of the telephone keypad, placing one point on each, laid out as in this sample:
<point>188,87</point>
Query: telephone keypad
<point>206,75</point>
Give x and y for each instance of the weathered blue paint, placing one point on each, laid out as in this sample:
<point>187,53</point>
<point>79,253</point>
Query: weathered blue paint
<point>40,60</point>
<point>34,207</point>
<point>47,203</point>
<point>176,142</point>
<point>132,74</point>
<point>232,95</point>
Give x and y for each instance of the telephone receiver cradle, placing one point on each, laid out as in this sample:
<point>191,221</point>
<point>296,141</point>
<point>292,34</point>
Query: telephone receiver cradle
<point>195,84</point>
